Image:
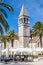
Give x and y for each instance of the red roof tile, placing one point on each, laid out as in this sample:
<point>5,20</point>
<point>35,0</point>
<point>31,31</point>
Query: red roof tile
<point>34,39</point>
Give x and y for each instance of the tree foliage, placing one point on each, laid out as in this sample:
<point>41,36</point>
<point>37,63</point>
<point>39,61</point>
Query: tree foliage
<point>38,30</point>
<point>3,16</point>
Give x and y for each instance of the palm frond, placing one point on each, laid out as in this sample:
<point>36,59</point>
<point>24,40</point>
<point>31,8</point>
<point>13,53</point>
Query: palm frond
<point>3,12</point>
<point>7,6</point>
<point>1,30</point>
<point>4,22</point>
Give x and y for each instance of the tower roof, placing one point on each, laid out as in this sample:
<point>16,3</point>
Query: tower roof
<point>23,11</point>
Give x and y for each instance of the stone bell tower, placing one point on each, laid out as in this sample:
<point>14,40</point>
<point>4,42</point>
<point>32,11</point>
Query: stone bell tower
<point>24,28</point>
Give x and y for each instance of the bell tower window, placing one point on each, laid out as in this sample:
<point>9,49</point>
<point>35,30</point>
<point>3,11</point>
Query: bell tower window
<point>24,20</point>
<point>27,19</point>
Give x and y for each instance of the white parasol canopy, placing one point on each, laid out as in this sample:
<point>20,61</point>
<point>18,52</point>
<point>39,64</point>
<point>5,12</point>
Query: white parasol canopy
<point>39,49</point>
<point>4,50</point>
<point>21,49</point>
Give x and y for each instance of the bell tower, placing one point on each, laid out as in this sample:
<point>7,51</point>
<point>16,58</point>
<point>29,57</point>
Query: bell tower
<point>24,28</point>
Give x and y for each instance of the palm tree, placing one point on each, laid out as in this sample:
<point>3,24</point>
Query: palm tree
<point>13,36</point>
<point>38,30</point>
<point>3,14</point>
<point>5,39</point>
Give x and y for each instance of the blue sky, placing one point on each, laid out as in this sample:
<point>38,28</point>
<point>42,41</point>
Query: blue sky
<point>33,7</point>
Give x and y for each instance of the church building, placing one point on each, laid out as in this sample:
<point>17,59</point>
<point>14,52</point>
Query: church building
<point>24,34</point>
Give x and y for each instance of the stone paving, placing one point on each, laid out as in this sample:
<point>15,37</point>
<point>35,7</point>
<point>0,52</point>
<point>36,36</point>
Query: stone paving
<point>24,63</point>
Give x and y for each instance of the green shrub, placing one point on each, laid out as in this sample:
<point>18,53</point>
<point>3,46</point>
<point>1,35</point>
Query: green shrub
<point>35,56</point>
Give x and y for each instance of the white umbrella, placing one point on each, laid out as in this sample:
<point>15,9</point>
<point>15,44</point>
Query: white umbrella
<point>21,50</point>
<point>13,50</point>
<point>24,50</point>
<point>4,50</point>
<point>39,49</point>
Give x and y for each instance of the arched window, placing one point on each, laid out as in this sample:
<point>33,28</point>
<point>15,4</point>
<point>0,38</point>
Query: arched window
<point>24,20</point>
<point>27,19</point>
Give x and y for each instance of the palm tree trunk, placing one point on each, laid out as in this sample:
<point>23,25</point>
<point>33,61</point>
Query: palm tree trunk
<point>12,42</point>
<point>41,40</point>
<point>4,45</point>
